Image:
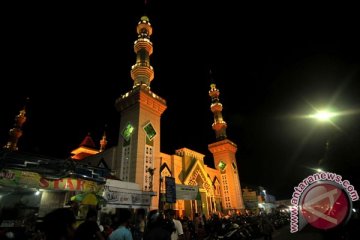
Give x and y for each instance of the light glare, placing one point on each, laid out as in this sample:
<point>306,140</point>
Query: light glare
<point>323,115</point>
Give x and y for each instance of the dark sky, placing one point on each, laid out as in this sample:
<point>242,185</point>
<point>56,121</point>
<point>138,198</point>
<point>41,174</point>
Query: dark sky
<point>271,63</point>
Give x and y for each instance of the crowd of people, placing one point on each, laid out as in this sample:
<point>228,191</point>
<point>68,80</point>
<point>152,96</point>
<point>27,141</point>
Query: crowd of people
<point>61,224</point>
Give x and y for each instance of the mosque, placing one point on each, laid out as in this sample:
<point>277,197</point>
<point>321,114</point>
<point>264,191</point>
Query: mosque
<point>137,157</point>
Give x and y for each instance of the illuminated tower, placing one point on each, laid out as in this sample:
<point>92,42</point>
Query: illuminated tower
<point>224,156</point>
<point>142,72</point>
<point>15,133</point>
<point>138,153</point>
<point>103,142</point>
<point>219,124</point>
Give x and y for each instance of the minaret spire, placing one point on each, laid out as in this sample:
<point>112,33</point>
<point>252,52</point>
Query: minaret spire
<point>103,142</point>
<point>142,72</point>
<point>219,124</point>
<point>224,152</point>
<point>15,133</point>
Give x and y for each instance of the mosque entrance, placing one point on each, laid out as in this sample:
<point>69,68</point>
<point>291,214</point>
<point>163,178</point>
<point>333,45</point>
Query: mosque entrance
<point>204,202</point>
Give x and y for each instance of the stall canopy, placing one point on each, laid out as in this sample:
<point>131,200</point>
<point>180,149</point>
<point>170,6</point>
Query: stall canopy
<point>88,199</point>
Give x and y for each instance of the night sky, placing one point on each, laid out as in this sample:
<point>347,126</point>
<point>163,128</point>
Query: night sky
<point>270,63</point>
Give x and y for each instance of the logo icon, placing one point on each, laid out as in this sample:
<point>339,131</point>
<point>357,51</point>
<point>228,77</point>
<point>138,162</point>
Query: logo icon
<point>325,205</point>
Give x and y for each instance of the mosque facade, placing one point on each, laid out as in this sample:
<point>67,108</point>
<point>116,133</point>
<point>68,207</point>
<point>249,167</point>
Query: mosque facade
<point>137,157</point>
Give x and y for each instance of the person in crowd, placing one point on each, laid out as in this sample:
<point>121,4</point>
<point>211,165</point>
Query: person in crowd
<point>140,222</point>
<point>58,225</point>
<point>197,224</point>
<point>266,227</point>
<point>122,232</point>
<point>74,207</point>
<point>89,229</point>
<point>186,229</point>
<point>204,221</point>
<point>157,227</point>
<point>107,225</point>
<point>178,233</point>
<point>214,225</point>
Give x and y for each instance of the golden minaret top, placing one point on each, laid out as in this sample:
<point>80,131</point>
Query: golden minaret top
<point>15,133</point>
<point>219,125</point>
<point>142,72</point>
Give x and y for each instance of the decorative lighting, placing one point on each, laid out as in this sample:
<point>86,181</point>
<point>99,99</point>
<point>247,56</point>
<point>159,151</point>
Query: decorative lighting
<point>222,165</point>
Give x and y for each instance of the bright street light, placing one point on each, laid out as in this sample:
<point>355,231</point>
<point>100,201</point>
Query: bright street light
<point>323,115</point>
<point>319,170</point>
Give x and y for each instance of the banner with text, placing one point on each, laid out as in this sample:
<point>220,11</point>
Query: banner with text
<point>185,192</point>
<point>126,197</point>
<point>25,179</point>
<point>170,190</point>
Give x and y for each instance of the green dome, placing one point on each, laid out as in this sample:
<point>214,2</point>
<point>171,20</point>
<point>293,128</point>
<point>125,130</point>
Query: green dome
<point>145,18</point>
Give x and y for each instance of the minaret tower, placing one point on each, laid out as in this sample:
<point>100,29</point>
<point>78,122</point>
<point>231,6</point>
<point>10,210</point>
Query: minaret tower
<point>219,124</point>
<point>15,133</point>
<point>138,151</point>
<point>103,142</point>
<point>142,72</point>
<point>224,151</point>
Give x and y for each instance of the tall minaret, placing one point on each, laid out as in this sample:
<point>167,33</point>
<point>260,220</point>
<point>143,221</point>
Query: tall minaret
<point>15,133</point>
<point>219,124</point>
<point>103,142</point>
<point>142,72</point>
<point>224,151</point>
<point>138,151</point>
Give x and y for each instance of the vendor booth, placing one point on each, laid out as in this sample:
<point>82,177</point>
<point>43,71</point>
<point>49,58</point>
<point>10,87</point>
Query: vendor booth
<point>31,186</point>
